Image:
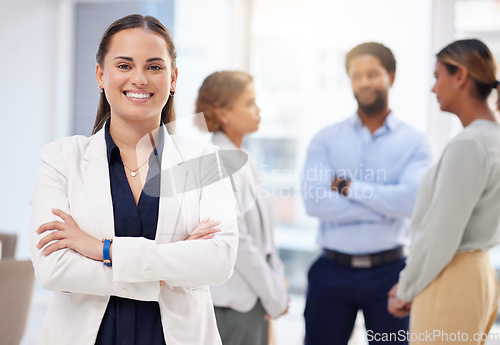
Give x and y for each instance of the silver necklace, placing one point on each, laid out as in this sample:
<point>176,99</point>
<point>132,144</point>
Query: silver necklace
<point>133,173</point>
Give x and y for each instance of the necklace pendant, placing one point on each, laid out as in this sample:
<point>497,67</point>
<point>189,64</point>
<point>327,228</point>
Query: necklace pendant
<point>133,174</point>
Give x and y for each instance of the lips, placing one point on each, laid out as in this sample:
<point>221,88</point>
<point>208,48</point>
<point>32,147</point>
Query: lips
<point>366,93</point>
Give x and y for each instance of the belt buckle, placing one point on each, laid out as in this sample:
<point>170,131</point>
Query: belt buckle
<point>361,261</point>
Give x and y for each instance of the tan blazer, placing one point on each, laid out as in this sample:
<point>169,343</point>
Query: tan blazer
<point>74,177</point>
<point>258,272</point>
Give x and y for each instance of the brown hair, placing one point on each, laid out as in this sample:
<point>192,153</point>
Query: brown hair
<point>131,22</point>
<point>479,61</point>
<point>219,90</point>
<point>376,49</point>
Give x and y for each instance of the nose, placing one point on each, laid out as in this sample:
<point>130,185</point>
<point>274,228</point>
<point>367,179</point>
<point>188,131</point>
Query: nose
<point>139,78</point>
<point>364,82</point>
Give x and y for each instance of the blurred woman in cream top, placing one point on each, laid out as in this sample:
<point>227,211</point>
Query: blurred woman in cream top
<point>449,278</point>
<point>256,291</point>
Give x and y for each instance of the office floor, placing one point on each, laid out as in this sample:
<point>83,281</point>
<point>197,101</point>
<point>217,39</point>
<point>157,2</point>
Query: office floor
<point>288,330</point>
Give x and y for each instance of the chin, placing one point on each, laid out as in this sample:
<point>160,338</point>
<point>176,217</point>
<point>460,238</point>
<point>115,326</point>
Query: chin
<point>443,108</point>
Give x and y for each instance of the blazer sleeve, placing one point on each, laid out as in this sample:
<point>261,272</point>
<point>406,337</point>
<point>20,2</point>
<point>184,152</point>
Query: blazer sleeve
<point>66,270</point>
<point>186,263</point>
<point>266,281</point>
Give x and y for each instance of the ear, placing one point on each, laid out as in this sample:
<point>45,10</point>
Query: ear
<point>221,115</point>
<point>392,77</point>
<point>99,76</point>
<point>461,76</point>
<point>173,77</point>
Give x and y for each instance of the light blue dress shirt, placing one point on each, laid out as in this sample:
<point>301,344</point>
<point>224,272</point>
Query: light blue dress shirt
<point>385,168</point>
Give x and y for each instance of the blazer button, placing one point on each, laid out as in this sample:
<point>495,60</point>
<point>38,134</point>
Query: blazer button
<point>149,274</point>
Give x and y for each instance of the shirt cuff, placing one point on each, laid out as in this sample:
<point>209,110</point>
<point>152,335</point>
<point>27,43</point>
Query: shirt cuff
<point>403,295</point>
<point>359,190</point>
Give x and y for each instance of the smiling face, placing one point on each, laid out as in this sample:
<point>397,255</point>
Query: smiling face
<point>370,83</point>
<point>136,76</point>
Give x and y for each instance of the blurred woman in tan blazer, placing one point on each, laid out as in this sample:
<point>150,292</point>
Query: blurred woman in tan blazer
<point>256,291</point>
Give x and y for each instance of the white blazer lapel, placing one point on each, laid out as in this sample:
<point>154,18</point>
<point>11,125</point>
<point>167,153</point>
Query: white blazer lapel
<point>173,182</point>
<point>95,173</point>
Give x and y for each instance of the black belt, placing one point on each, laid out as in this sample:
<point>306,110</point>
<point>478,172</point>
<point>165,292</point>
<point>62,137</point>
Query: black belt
<point>365,261</point>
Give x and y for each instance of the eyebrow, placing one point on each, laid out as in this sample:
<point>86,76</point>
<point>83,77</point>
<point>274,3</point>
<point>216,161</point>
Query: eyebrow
<point>130,59</point>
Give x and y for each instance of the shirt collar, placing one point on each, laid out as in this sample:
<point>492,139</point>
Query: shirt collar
<point>110,144</point>
<point>390,122</point>
<point>220,138</point>
<point>158,151</point>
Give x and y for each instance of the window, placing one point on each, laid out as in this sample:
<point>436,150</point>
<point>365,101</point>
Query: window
<point>297,57</point>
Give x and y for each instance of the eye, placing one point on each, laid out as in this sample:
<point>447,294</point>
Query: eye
<point>155,68</point>
<point>123,66</point>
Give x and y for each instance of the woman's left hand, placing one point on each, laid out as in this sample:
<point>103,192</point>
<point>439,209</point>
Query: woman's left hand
<point>205,230</point>
<point>67,234</point>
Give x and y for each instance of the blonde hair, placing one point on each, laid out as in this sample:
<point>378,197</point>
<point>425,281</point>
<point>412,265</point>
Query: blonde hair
<point>219,90</point>
<point>479,61</point>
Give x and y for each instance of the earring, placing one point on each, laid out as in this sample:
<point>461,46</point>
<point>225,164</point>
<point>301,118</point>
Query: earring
<point>100,90</point>
<point>172,92</point>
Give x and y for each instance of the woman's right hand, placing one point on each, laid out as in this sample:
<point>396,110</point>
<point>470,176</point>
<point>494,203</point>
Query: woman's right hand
<point>205,230</point>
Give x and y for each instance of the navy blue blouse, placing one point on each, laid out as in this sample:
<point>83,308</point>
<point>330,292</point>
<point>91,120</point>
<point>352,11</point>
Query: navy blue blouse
<point>126,321</point>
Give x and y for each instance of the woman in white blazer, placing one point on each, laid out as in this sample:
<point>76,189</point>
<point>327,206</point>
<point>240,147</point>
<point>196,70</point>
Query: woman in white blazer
<point>111,213</point>
<point>256,291</point>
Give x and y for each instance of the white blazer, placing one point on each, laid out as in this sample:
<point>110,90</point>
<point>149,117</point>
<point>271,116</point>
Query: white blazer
<point>258,272</point>
<point>74,177</point>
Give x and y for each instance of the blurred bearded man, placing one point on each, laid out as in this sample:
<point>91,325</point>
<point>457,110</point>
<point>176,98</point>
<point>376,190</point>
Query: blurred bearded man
<point>360,180</point>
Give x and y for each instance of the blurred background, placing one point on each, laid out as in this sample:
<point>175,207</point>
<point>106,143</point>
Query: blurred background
<point>295,49</point>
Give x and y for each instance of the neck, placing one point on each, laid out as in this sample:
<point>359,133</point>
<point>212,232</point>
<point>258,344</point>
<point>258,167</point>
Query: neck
<point>127,135</point>
<point>373,121</point>
<point>236,139</point>
<point>475,110</point>
<point>135,140</point>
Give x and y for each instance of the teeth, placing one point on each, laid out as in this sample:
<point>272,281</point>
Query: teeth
<point>138,95</point>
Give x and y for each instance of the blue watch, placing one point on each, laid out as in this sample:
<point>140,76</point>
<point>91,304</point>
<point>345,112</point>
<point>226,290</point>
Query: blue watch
<point>105,251</point>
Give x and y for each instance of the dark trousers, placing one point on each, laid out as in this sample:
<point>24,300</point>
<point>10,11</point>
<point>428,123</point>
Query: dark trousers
<point>335,294</point>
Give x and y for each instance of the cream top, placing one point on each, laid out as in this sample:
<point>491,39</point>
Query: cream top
<point>458,206</point>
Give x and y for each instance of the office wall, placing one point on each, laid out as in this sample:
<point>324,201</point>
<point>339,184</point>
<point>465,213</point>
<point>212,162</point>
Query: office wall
<point>29,92</point>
